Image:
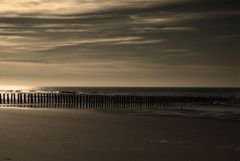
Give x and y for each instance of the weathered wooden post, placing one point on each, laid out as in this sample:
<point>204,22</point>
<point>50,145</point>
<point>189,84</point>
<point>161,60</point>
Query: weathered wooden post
<point>153,102</point>
<point>95,101</point>
<point>51,99</point>
<point>110,102</point>
<point>7,95</point>
<point>142,102</point>
<point>83,101</point>
<point>146,102</point>
<point>114,102</point>
<point>99,101</point>
<point>11,98</point>
<point>66,100</point>
<point>54,98</point>
<point>42,99</point>
<point>21,98</point>
<point>90,101</point>
<point>32,101</point>
<point>117,102</point>
<point>40,95</point>
<point>27,98</point>
<point>63,100</point>
<point>102,101</point>
<point>80,100</point>
<point>17,98</point>
<point>39,100</point>
<point>70,100</point>
<point>157,102</point>
<point>133,103</point>
<point>86,101</point>
<point>46,100</point>
<point>74,100</point>
<point>35,99</point>
<point>127,100</point>
<point>0,98</point>
<point>57,100</point>
<point>169,102</point>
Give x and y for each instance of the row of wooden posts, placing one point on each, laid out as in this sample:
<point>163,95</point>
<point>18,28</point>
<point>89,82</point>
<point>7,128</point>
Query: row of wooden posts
<point>98,101</point>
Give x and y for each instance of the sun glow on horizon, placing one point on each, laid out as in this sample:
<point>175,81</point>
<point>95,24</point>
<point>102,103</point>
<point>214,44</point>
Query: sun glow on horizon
<point>9,87</point>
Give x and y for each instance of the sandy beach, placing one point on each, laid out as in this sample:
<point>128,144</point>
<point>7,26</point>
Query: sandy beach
<point>73,135</point>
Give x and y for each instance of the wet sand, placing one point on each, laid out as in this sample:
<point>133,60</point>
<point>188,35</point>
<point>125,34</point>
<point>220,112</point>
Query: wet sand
<point>73,135</point>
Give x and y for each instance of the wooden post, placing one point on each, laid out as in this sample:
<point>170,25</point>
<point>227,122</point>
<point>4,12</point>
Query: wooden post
<point>0,98</point>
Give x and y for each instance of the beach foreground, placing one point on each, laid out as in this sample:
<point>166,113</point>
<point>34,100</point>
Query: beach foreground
<point>73,135</point>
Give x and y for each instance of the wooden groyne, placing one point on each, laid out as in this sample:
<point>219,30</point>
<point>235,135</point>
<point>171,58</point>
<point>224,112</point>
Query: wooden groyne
<point>101,101</point>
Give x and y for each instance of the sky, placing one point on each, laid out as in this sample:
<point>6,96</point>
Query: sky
<point>164,43</point>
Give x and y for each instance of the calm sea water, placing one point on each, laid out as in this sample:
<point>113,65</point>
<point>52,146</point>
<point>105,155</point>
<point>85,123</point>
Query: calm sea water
<point>150,90</point>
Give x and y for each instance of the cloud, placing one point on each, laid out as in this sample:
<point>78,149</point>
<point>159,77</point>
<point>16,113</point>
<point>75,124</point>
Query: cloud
<point>178,28</point>
<point>123,40</point>
<point>39,44</point>
<point>140,42</point>
<point>62,7</point>
<point>224,38</point>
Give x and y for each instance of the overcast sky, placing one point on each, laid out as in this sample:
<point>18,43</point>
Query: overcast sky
<point>119,43</point>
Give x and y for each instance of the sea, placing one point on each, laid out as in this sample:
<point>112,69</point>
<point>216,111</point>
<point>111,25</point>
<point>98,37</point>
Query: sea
<point>232,92</point>
<point>230,110</point>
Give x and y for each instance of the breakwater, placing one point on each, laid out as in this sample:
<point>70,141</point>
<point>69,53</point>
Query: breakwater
<point>102,101</point>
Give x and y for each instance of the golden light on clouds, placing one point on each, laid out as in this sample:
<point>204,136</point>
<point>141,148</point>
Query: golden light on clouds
<point>60,7</point>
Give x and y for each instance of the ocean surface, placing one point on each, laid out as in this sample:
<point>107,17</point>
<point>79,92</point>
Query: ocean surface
<point>234,92</point>
<point>227,110</point>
